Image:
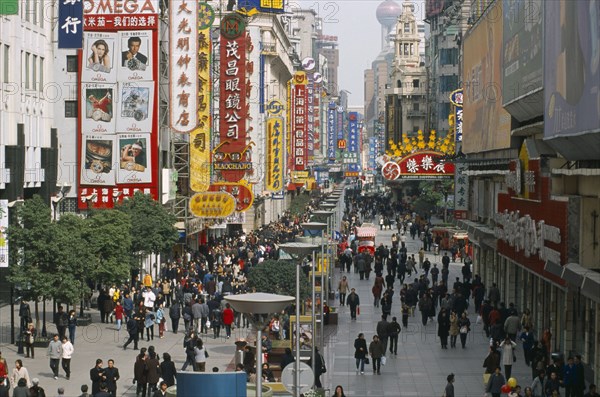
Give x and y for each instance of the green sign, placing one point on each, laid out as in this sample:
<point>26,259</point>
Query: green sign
<point>9,7</point>
<point>232,26</point>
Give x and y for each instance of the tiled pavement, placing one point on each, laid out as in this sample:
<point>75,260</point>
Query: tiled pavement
<point>421,366</point>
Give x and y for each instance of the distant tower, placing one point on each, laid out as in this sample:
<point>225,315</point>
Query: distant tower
<point>387,15</point>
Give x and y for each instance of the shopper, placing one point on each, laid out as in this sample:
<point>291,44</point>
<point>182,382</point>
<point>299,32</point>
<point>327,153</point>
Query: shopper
<point>54,353</point>
<point>508,355</point>
<point>67,353</point>
<point>360,352</point>
<point>376,351</point>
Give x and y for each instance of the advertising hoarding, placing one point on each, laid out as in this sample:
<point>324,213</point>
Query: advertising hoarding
<point>299,122</point>
<point>572,78</point>
<point>275,152</point>
<point>70,21</point>
<point>331,131</point>
<point>118,137</point>
<point>523,44</point>
<point>486,124</point>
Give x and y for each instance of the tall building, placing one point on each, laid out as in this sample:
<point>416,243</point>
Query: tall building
<point>327,46</point>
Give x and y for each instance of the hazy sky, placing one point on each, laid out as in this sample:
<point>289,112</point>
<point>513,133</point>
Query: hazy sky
<point>358,31</point>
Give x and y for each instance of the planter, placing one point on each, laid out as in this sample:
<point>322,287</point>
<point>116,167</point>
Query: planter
<point>251,390</point>
<point>84,321</point>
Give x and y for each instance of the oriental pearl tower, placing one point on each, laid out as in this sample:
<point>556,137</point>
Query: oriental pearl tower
<point>387,15</point>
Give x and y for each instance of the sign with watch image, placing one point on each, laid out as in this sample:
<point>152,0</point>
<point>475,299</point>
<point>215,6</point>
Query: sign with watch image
<point>99,164</point>
<point>134,161</point>
<point>99,64</point>
<point>97,112</point>
<point>136,55</point>
<point>135,107</point>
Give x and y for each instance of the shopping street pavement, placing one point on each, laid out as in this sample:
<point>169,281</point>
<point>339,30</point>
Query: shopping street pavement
<point>421,366</point>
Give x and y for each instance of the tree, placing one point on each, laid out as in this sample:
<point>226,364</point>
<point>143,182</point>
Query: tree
<point>433,195</point>
<point>278,277</point>
<point>152,227</point>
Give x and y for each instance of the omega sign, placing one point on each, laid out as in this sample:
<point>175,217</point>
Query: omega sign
<point>101,7</point>
<point>525,234</point>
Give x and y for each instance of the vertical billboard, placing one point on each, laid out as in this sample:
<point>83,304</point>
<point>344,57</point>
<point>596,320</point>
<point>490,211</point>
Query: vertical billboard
<point>70,21</point>
<point>310,117</point>
<point>275,152</point>
<point>200,167</point>
<point>231,157</point>
<point>118,123</point>
<point>299,121</point>
<point>3,233</point>
<point>572,78</point>
<point>523,48</point>
<point>486,124</point>
<point>456,98</point>
<point>351,154</point>
<point>331,131</point>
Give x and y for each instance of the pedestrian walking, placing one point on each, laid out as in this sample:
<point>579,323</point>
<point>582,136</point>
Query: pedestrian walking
<point>140,373</point>
<point>228,318</point>
<point>353,301</point>
<point>66,354</point>
<point>175,315</point>
<point>377,289</point>
<point>200,356</point>
<point>343,290</point>
<point>449,390</point>
<point>20,372</point>
<point>167,369</point>
<point>189,343</point>
<point>149,321</point>
<point>376,351</point>
<point>54,353</point>
<point>112,376</point>
<point>393,332</point>
<point>119,315</point>
<point>36,390</point>
<point>508,355</point>
<point>443,327</point>
<point>152,371</point>
<point>383,332</point>
<point>528,341</point>
<point>161,391</point>
<point>539,385</point>
<point>161,321</point>
<point>29,337</point>
<point>491,362</point>
<point>318,367</point>
<point>134,336</point>
<point>453,329</point>
<point>72,325</point>
<point>360,352</point>
<point>494,385</point>
<point>97,376</point>
<point>464,327</point>
<point>61,320</point>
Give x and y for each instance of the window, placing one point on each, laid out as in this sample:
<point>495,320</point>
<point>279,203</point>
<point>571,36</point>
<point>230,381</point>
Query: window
<point>28,10</point>
<point>399,84</point>
<point>70,109</point>
<point>407,28</point>
<point>416,83</point>
<point>34,72</point>
<point>6,62</point>
<point>35,12</point>
<point>41,74</point>
<point>71,63</point>
<point>416,106</point>
<point>27,71</point>
<point>444,110</point>
<point>449,56</point>
<point>405,49</point>
<point>448,83</point>
<point>41,16</point>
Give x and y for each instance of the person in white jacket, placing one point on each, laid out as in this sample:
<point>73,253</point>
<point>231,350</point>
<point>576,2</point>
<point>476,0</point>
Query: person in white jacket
<point>67,352</point>
<point>20,372</point>
<point>508,355</point>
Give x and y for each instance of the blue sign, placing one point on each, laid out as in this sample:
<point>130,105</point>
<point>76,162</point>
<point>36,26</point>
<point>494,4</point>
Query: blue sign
<point>331,131</point>
<point>251,7</point>
<point>70,23</point>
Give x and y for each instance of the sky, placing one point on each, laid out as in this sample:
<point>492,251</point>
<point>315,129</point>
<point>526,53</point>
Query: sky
<point>359,37</point>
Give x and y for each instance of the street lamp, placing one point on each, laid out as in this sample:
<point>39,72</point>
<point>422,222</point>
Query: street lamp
<point>299,250</point>
<point>258,305</point>
<point>313,229</point>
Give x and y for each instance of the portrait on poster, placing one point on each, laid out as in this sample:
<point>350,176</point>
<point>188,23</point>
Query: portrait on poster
<point>135,59</point>
<point>134,160</point>
<point>98,104</point>
<point>135,107</point>
<point>98,160</point>
<point>99,62</point>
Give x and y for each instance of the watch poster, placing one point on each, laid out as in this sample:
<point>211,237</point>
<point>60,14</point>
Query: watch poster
<point>135,55</point>
<point>135,107</point>
<point>99,62</point>
<point>99,160</point>
<point>134,159</point>
<point>98,108</point>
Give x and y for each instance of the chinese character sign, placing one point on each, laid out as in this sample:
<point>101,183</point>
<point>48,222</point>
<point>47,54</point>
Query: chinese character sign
<point>310,116</point>
<point>3,230</point>
<point>232,156</point>
<point>70,23</point>
<point>299,122</point>
<point>185,60</point>
<point>461,191</point>
<point>421,165</point>
<point>274,154</point>
<point>331,131</point>
<point>456,97</point>
<point>352,152</point>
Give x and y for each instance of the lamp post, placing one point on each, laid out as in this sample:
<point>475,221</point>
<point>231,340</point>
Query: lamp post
<point>300,250</point>
<point>314,228</point>
<point>258,305</point>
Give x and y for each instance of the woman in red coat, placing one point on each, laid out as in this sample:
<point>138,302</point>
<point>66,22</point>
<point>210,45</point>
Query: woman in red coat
<point>228,317</point>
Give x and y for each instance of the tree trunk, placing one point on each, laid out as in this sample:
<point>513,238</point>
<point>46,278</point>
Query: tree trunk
<point>37,315</point>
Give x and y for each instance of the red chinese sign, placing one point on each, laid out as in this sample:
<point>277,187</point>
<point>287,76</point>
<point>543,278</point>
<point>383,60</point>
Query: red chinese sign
<point>300,121</point>
<point>421,165</point>
<point>232,157</point>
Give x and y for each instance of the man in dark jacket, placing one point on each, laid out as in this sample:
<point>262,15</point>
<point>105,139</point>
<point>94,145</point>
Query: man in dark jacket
<point>112,376</point>
<point>134,336</point>
<point>383,332</point>
<point>353,301</point>
<point>175,315</point>
<point>393,332</point>
<point>97,376</point>
<point>318,367</point>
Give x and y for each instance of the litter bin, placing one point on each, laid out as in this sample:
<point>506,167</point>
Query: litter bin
<point>239,351</point>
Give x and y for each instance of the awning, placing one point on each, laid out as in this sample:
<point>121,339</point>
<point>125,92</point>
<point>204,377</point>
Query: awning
<point>576,171</point>
<point>484,172</point>
<point>586,281</point>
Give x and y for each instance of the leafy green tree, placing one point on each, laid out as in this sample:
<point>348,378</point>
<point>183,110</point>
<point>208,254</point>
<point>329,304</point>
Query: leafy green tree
<point>152,227</point>
<point>110,240</point>
<point>433,194</point>
<point>278,277</point>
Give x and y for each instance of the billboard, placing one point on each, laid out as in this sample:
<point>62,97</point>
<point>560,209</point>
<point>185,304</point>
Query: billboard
<point>523,48</point>
<point>275,152</point>
<point>299,122</point>
<point>456,98</point>
<point>118,139</point>
<point>351,155</point>
<point>486,124</point>
<point>232,157</point>
<point>331,131</point>
<point>70,21</point>
<point>419,165</point>
<point>572,78</point>
<point>251,7</point>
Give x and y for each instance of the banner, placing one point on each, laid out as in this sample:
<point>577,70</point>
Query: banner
<point>456,98</point>
<point>3,236</point>
<point>299,123</point>
<point>310,117</point>
<point>275,152</point>
<point>232,157</point>
<point>119,96</point>
<point>70,21</point>
<point>351,155</point>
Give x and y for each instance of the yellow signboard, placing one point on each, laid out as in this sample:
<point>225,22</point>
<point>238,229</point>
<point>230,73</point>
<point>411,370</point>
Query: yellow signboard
<point>212,204</point>
<point>200,138</point>
<point>275,149</point>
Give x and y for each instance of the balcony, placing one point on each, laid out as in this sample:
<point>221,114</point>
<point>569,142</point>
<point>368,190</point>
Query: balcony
<point>416,114</point>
